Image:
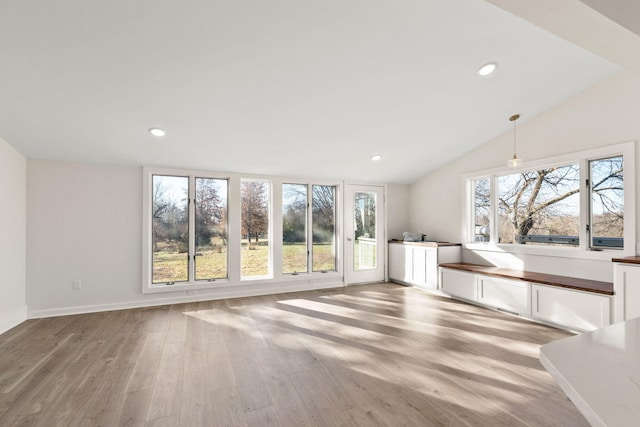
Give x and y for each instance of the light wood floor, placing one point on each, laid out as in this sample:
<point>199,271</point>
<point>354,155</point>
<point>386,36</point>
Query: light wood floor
<point>369,355</point>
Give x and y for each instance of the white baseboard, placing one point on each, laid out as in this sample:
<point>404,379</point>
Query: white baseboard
<point>12,318</point>
<point>198,295</point>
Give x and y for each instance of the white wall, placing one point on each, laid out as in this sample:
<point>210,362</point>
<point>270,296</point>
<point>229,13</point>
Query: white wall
<point>13,210</point>
<point>84,222</point>
<point>397,210</point>
<point>608,113</point>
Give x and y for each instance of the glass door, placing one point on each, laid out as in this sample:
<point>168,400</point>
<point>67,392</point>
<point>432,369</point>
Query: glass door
<point>364,234</point>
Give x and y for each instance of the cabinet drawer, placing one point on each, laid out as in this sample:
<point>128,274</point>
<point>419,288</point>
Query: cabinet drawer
<point>459,284</point>
<point>510,295</point>
<point>574,309</point>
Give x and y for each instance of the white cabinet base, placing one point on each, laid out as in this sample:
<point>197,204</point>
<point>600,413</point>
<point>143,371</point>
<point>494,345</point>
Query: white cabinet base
<point>572,309</point>
<point>417,265</point>
<point>553,305</point>
<point>459,284</point>
<point>626,285</point>
<point>509,295</point>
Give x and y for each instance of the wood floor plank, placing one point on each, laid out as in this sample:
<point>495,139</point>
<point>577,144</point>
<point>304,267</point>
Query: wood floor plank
<point>165,400</point>
<point>196,398</point>
<point>379,354</point>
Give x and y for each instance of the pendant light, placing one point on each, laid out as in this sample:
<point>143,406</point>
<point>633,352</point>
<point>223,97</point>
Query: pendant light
<point>515,162</point>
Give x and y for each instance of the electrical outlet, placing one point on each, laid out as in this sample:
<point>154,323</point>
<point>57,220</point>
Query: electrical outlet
<point>77,284</point>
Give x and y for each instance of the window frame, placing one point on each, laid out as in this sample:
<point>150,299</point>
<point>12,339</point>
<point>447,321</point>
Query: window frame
<point>253,286</point>
<point>583,250</point>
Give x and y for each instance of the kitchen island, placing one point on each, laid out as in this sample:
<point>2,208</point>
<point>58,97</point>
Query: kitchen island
<point>600,372</point>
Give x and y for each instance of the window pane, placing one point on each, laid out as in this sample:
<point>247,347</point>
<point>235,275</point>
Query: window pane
<point>323,227</point>
<point>481,199</point>
<point>256,252</point>
<point>211,228</point>
<point>540,207</point>
<point>364,247</point>
<point>170,229</point>
<point>294,228</point>
<point>607,202</point>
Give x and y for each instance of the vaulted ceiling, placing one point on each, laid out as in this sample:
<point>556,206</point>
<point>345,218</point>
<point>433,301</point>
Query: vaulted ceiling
<point>307,89</point>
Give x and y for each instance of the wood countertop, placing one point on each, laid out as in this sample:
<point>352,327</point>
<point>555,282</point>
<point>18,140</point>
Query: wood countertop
<point>628,260</point>
<point>426,244</point>
<point>605,288</point>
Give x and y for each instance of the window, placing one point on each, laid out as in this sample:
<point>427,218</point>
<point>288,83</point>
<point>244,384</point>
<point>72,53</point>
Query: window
<point>573,201</point>
<point>210,260</point>
<point>171,242</point>
<point>540,207</point>
<point>294,228</point>
<point>481,209</point>
<point>295,238</point>
<point>323,206</point>
<point>607,202</point>
<point>364,246</point>
<point>255,199</point>
<point>170,210</point>
<point>202,231</point>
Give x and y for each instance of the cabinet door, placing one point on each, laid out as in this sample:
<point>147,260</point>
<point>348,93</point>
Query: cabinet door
<point>459,284</point>
<point>397,262</point>
<point>626,284</point>
<point>431,263</point>
<point>575,309</point>
<point>419,267</point>
<point>511,295</point>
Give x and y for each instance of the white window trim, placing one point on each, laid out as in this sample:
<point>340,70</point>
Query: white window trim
<point>582,158</point>
<point>234,278</point>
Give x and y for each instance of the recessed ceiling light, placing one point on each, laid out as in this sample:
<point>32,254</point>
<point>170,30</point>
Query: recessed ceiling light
<point>487,69</point>
<point>376,157</point>
<point>157,132</point>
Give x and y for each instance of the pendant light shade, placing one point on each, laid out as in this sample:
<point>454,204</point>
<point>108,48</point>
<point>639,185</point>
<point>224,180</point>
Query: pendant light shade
<point>515,162</point>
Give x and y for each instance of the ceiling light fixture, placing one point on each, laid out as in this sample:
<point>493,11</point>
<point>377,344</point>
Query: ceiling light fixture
<point>157,132</point>
<point>515,162</point>
<point>376,157</point>
<point>487,69</point>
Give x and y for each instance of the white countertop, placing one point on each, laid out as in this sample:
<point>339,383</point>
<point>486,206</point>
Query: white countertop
<point>600,372</point>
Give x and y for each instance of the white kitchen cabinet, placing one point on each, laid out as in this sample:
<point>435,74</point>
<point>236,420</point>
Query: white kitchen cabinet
<point>510,295</point>
<point>459,284</point>
<point>573,309</point>
<point>626,286</point>
<point>397,263</point>
<point>417,264</point>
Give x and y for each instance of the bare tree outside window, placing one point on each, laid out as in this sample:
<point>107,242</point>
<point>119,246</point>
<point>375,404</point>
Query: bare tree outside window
<point>170,229</point>
<point>481,209</point>
<point>544,202</point>
<point>542,207</point>
<point>294,228</point>
<point>607,202</point>
<point>256,256</point>
<point>323,205</point>
<point>210,228</point>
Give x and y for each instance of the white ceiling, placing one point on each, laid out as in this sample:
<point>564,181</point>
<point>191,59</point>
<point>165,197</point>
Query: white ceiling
<point>296,88</point>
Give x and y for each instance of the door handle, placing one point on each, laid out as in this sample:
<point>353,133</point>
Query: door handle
<point>349,239</point>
